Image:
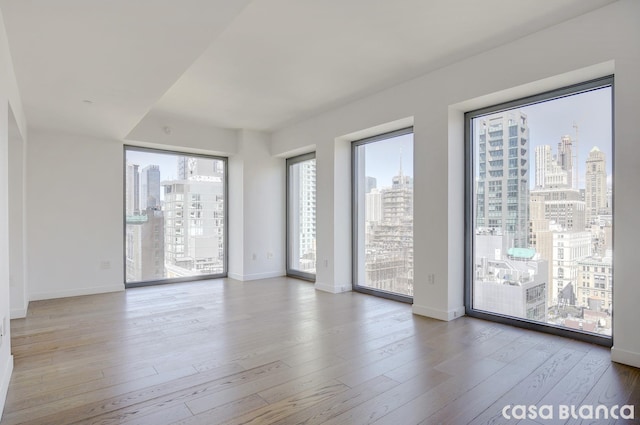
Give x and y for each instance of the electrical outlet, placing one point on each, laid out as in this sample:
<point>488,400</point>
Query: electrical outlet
<point>269,255</point>
<point>105,264</point>
<point>431,278</point>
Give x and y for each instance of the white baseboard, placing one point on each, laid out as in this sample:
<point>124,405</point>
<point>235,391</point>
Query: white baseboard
<point>438,314</point>
<point>5,378</point>
<point>625,357</point>
<point>334,289</point>
<point>76,292</point>
<point>19,313</point>
<point>255,276</point>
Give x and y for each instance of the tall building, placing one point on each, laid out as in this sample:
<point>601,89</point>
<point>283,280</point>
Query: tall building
<point>595,185</point>
<point>565,159</point>
<point>543,160</point>
<point>370,184</point>
<point>541,237</point>
<point>373,210</point>
<point>303,180</point>
<point>553,173</point>
<point>503,176</point>
<point>150,187</point>
<point>145,246</point>
<point>194,219</point>
<point>568,249</point>
<point>132,196</point>
<point>389,267</point>
<point>563,207</point>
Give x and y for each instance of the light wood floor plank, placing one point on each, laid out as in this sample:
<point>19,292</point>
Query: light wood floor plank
<point>278,351</point>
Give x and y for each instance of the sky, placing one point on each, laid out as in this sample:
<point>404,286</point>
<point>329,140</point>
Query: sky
<point>590,111</point>
<point>382,159</point>
<point>168,162</point>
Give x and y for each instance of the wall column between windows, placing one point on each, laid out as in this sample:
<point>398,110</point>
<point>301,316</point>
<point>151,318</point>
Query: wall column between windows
<point>333,216</point>
<point>256,209</point>
<point>438,231</point>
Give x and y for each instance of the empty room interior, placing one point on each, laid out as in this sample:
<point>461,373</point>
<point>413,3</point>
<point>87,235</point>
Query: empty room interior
<point>328,212</point>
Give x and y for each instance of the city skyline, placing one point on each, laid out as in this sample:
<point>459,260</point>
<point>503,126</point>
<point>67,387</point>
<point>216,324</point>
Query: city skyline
<point>542,212</point>
<point>550,120</point>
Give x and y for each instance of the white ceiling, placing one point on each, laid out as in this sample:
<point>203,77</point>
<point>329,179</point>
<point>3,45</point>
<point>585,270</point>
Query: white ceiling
<point>248,64</point>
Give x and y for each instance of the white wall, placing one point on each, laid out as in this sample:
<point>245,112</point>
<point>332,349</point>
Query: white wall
<point>75,204</point>
<point>257,210</point>
<point>592,45</point>
<point>74,215</point>
<point>17,221</point>
<point>11,114</point>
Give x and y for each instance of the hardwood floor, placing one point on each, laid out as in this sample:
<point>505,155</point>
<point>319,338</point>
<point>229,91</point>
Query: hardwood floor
<point>277,351</point>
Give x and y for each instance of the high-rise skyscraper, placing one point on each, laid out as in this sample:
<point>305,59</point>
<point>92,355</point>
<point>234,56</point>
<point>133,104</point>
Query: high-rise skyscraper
<point>194,208</point>
<point>132,200</point>
<point>150,187</point>
<point>543,161</point>
<point>595,194</point>
<point>503,177</point>
<point>565,160</point>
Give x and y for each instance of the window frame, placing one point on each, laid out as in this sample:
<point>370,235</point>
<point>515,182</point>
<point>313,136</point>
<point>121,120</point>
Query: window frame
<point>354,215</point>
<point>311,277</point>
<point>469,193</point>
<point>152,282</point>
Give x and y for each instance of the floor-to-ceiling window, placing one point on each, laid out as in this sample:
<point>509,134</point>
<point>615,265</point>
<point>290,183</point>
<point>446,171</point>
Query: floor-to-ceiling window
<point>540,211</point>
<point>175,216</point>
<point>382,168</point>
<point>301,216</point>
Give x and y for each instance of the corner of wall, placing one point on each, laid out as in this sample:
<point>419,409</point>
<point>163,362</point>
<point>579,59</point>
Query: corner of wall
<point>625,357</point>
<point>445,315</point>
<point>332,289</point>
<point>7,370</point>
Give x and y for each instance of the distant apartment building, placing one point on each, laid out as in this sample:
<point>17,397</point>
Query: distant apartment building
<point>596,191</point>
<point>144,255</point>
<point>373,209</point>
<point>194,219</point>
<point>502,203</point>
<point>563,206</point>
<point>303,181</point>
<point>568,249</point>
<point>132,194</point>
<point>150,187</point>
<point>389,237</point>
<point>595,291</point>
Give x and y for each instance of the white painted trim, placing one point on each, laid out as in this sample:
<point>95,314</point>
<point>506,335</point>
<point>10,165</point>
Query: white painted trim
<point>438,314</point>
<point>76,292</point>
<point>625,357</point>
<point>333,289</point>
<point>18,313</point>
<point>256,276</point>
<point>4,384</point>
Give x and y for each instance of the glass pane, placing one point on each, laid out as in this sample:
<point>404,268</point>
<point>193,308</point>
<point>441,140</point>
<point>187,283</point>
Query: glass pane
<point>543,213</point>
<point>384,214</point>
<point>175,216</point>
<point>302,216</point>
